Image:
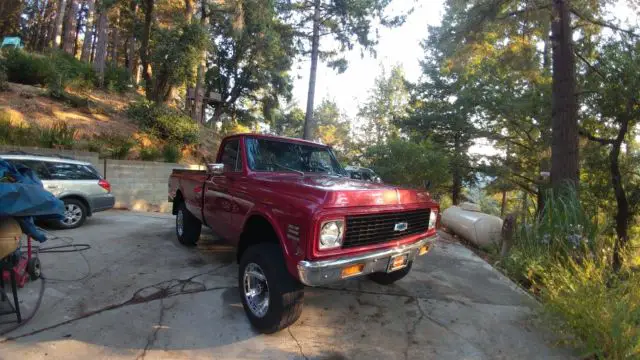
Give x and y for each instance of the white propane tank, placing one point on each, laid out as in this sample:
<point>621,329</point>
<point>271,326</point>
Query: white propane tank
<point>481,229</point>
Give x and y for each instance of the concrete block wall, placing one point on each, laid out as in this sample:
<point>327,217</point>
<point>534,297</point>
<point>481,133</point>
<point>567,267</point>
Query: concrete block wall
<point>141,185</point>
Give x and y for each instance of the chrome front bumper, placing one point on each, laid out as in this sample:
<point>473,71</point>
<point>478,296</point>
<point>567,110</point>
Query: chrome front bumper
<point>315,273</point>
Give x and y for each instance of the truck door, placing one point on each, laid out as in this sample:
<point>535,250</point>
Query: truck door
<point>218,202</point>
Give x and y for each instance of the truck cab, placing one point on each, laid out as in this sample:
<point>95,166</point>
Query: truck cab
<point>297,218</point>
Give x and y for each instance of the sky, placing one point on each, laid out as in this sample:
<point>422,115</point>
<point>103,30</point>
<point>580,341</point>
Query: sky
<point>399,45</point>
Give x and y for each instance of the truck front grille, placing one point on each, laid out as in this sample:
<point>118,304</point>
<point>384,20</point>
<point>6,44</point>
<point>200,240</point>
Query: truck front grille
<point>378,228</point>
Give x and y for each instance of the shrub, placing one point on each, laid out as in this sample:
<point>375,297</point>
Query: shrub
<point>15,135</point>
<point>59,135</point>
<point>26,68</point>
<point>600,312</point>
<point>164,122</point>
<point>3,76</point>
<point>171,153</point>
<point>68,70</point>
<point>149,153</point>
<point>116,78</point>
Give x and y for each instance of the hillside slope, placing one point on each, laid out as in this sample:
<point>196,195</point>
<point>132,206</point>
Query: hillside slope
<point>100,113</point>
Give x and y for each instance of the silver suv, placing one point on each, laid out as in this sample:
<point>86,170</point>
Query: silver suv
<point>78,184</point>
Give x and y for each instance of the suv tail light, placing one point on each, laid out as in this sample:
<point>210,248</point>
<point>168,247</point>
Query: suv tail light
<point>105,184</point>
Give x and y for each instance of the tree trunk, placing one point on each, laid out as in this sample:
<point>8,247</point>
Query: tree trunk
<point>148,6</point>
<point>57,27</point>
<point>503,204</point>
<point>564,146</point>
<point>88,32</point>
<point>76,44</point>
<point>315,47</point>
<point>68,27</point>
<point>116,37</point>
<point>197,112</point>
<point>188,10</point>
<point>622,215</point>
<point>101,46</point>
<point>132,65</point>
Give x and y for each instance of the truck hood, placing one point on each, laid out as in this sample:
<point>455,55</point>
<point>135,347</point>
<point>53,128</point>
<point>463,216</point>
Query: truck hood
<point>334,191</point>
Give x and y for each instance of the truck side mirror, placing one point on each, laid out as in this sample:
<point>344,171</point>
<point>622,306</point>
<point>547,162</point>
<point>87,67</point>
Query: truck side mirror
<point>215,169</point>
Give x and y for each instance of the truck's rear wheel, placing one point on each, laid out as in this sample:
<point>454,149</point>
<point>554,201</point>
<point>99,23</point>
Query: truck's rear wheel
<point>271,297</point>
<point>389,278</point>
<point>188,227</point>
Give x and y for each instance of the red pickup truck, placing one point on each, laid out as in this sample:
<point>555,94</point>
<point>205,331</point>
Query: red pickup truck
<point>297,219</point>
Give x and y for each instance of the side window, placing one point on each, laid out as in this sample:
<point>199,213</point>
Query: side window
<point>231,156</point>
<point>64,171</point>
<point>38,167</point>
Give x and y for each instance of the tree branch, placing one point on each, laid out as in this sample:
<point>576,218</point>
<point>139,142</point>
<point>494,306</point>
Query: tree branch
<point>523,11</point>
<point>589,65</point>
<point>603,23</point>
<point>597,139</point>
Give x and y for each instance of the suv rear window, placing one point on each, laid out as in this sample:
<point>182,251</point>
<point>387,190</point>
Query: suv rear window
<point>64,171</point>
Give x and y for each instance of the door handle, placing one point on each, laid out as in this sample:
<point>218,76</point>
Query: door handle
<point>53,187</point>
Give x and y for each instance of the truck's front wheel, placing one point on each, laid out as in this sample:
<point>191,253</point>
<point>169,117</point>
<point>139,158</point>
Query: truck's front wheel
<point>271,297</point>
<point>188,227</point>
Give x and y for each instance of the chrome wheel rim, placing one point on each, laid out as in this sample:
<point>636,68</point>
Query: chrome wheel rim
<point>180,223</point>
<point>72,214</point>
<point>256,290</point>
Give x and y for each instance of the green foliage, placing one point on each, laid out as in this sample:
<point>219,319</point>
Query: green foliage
<point>596,309</point>
<point>60,136</point>
<point>289,122</point>
<point>254,51</point>
<point>116,78</point>
<point>563,230</point>
<point>150,153</point>
<point>66,69</point>
<point>164,122</point>
<point>348,22</point>
<point>3,76</point>
<point>27,68</point>
<point>332,126</point>
<point>406,163</point>
<point>387,103</point>
<point>174,55</point>
<point>111,145</point>
<point>171,153</point>
<point>15,135</point>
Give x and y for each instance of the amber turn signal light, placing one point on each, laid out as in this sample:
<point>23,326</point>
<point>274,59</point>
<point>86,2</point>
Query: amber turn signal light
<point>424,249</point>
<point>352,270</point>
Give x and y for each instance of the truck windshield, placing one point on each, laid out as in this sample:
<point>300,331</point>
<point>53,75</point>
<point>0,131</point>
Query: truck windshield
<point>273,155</point>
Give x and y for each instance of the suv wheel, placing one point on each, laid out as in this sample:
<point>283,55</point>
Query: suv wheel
<point>271,297</point>
<point>75,213</point>
<point>389,278</point>
<point>188,227</point>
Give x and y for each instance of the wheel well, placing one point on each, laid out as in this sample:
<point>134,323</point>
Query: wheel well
<point>176,202</point>
<point>81,199</point>
<point>257,230</point>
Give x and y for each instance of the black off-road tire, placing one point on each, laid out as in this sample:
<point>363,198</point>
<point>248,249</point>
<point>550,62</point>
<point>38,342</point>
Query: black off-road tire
<point>286,293</point>
<point>189,234</point>
<point>389,278</point>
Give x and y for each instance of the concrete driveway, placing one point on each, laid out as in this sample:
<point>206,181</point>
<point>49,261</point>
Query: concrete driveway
<point>138,294</point>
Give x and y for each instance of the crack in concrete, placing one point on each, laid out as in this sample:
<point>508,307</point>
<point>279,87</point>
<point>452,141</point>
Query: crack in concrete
<point>151,339</point>
<point>163,290</point>
<point>297,342</point>
<point>414,327</point>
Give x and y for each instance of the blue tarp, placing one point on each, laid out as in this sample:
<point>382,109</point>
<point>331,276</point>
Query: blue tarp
<point>23,197</point>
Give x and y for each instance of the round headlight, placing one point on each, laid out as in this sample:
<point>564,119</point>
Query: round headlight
<point>331,234</point>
